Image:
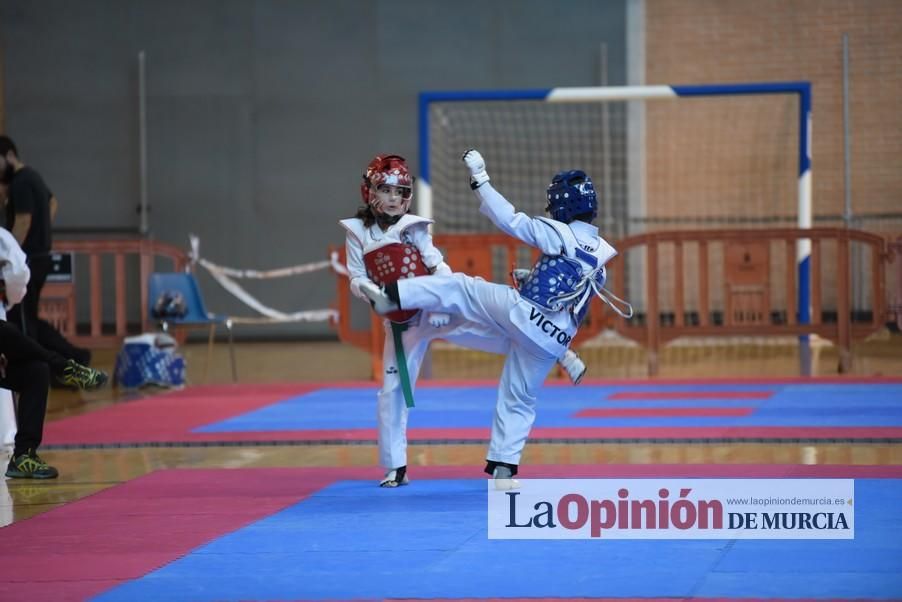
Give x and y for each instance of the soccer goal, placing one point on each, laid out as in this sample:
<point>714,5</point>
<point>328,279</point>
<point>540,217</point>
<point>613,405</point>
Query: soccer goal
<point>662,158</point>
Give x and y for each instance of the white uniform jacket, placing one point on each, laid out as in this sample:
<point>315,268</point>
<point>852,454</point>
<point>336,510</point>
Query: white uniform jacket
<point>14,270</point>
<point>552,330</point>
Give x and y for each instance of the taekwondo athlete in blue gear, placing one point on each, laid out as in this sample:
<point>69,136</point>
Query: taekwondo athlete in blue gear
<point>540,318</point>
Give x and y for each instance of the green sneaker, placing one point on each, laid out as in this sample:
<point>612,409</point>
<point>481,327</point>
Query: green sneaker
<point>30,466</point>
<point>82,377</point>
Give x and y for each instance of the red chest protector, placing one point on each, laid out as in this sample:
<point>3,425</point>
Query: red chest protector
<point>391,263</point>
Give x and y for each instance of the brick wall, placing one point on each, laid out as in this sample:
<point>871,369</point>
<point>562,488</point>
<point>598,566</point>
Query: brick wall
<point>727,41</point>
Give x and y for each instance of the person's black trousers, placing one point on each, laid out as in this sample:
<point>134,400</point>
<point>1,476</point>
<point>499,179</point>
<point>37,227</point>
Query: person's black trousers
<point>26,370</point>
<point>31,380</point>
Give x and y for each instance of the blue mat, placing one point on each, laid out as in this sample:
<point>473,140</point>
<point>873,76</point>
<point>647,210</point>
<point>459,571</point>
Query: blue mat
<point>353,540</point>
<point>798,405</point>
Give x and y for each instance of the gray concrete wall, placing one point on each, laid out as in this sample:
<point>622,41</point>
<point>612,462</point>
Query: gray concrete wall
<point>263,113</point>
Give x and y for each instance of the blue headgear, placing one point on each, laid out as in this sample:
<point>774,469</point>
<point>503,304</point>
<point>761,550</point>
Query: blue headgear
<point>571,193</point>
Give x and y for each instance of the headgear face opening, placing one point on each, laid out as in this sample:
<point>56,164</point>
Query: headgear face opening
<point>571,194</point>
<point>386,178</point>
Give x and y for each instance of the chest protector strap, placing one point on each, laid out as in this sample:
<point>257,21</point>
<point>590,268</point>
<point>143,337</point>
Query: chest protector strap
<point>592,282</point>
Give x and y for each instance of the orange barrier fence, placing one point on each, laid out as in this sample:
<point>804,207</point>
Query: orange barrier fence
<point>746,282</point>
<point>59,300</point>
<point>369,339</point>
<point>695,283</point>
<point>691,283</point>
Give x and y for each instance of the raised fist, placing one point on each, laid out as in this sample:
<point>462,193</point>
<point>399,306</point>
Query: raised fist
<point>476,165</point>
<point>474,161</point>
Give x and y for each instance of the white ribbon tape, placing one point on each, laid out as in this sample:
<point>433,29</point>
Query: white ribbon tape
<point>224,276</point>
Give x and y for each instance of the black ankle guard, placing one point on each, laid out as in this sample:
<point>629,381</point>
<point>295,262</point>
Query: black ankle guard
<point>490,466</point>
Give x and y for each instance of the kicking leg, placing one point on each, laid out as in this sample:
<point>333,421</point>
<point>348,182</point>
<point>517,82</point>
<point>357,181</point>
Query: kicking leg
<point>480,302</point>
<point>474,299</point>
<point>473,336</point>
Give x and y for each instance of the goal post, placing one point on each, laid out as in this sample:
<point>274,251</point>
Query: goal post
<point>724,158</point>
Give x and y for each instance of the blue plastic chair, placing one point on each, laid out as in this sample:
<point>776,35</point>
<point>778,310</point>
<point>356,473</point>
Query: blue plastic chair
<point>197,315</point>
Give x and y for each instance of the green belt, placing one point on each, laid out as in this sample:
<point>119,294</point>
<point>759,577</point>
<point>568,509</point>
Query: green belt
<point>401,360</point>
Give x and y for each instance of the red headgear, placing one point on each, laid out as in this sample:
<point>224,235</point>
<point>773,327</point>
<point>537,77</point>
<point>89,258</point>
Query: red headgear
<point>385,169</point>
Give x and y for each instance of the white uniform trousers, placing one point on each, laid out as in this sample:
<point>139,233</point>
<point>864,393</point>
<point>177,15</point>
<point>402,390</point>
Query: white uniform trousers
<point>527,363</point>
<point>391,411</point>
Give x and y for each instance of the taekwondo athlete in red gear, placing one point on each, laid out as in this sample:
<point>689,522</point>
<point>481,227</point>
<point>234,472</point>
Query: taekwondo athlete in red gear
<point>540,318</point>
<point>384,243</point>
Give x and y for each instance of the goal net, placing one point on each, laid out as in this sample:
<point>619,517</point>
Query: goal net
<point>661,157</point>
<point>705,161</point>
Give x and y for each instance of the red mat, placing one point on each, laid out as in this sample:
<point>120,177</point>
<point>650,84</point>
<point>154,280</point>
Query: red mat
<point>119,534</point>
<point>658,395</point>
<point>662,412</point>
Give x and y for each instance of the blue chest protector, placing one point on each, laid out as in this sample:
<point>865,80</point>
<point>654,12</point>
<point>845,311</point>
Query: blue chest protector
<point>557,283</point>
<point>567,282</point>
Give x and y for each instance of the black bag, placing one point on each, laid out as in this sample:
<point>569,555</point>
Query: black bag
<point>170,304</point>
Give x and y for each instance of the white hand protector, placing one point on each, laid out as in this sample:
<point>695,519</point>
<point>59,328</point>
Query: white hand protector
<point>370,287</point>
<point>438,319</point>
<point>380,302</point>
<point>442,269</point>
<point>476,164</point>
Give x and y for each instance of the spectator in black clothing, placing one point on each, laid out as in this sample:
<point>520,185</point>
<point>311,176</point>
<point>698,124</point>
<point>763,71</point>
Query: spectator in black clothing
<point>29,211</point>
<point>26,367</point>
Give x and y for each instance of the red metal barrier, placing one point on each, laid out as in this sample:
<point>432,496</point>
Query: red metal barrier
<point>59,301</point>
